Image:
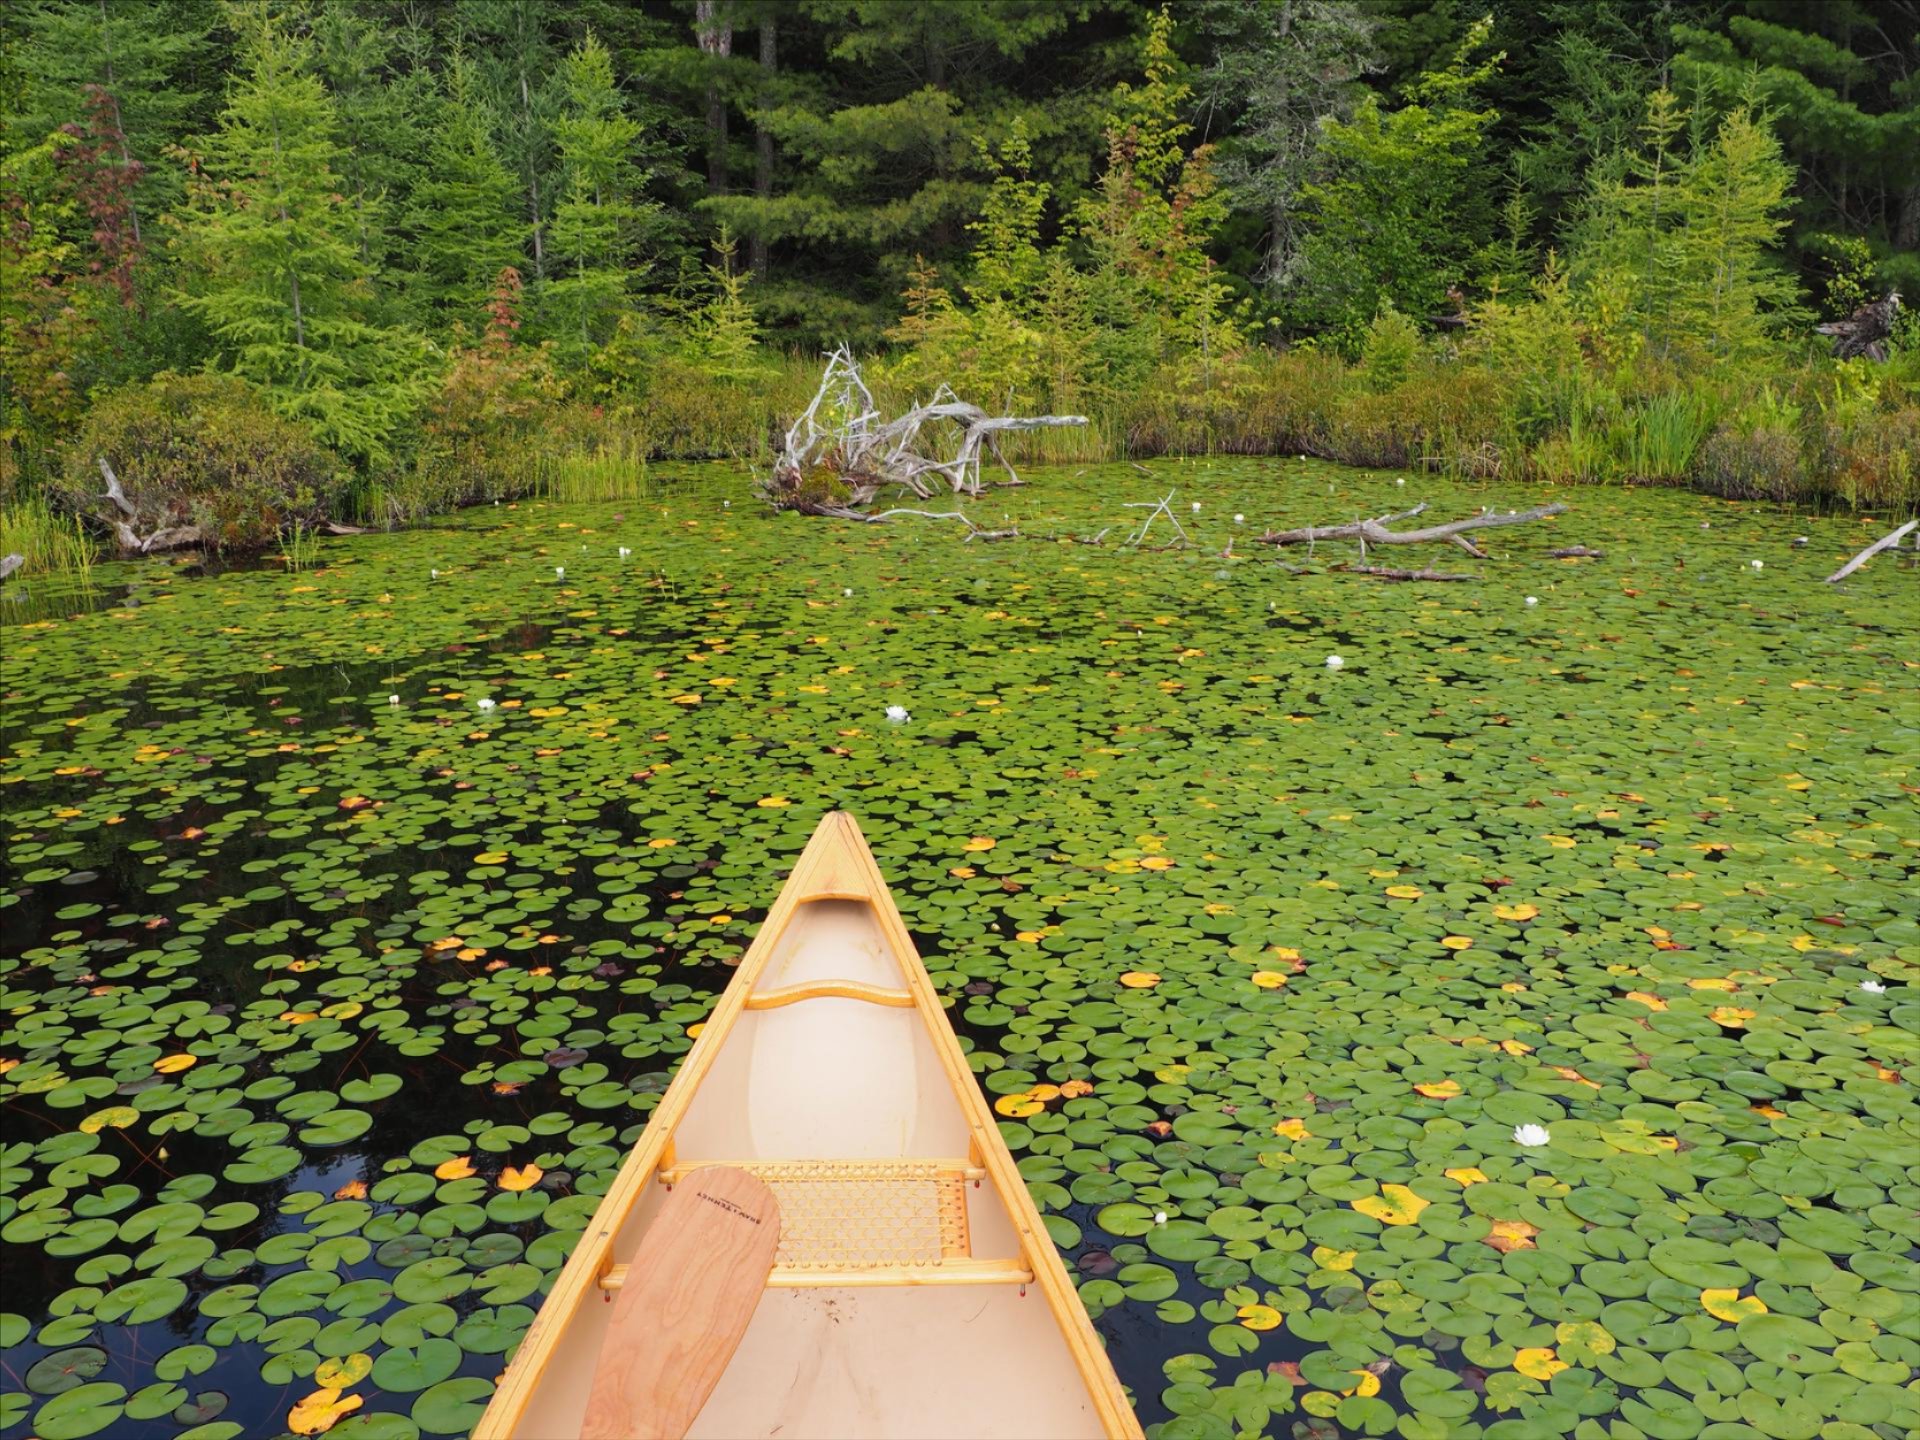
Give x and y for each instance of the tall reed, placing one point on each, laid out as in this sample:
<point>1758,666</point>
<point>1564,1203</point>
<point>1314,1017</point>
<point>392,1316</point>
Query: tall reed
<point>52,543</point>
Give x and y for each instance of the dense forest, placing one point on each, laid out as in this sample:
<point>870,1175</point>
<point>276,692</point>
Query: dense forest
<point>280,262</point>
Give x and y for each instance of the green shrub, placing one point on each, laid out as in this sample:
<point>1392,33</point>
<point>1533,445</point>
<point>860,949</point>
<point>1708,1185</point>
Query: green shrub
<point>203,452</point>
<point>1879,461</point>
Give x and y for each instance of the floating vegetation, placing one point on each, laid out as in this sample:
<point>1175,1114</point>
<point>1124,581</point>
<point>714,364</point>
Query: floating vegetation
<point>1508,1032</point>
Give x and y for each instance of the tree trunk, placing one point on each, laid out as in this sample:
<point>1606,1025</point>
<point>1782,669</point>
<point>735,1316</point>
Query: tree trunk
<point>119,126</point>
<point>533,182</point>
<point>716,38</point>
<point>1906,233</point>
<point>763,140</point>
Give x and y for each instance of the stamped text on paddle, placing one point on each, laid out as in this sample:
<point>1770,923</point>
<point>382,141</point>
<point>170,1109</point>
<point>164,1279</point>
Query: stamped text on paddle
<point>728,1206</point>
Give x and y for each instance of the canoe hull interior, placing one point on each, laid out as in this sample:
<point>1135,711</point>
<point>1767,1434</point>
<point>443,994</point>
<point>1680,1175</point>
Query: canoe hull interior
<point>915,1292</point>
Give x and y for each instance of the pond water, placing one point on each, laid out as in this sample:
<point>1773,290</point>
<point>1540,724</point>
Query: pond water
<point>334,901</point>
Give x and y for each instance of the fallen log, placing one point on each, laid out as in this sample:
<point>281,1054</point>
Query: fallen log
<point>11,563</point>
<point>1375,531</point>
<point>1575,552</point>
<point>1885,542</point>
<point>1384,573</point>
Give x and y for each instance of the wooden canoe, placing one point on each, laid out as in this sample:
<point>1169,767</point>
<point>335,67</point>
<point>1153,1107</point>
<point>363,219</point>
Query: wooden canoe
<point>915,1292</point>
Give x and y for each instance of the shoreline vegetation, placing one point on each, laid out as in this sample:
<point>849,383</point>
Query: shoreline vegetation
<point>264,318</point>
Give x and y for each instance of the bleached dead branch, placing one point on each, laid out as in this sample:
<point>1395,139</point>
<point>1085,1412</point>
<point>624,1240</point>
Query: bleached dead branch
<point>838,456</point>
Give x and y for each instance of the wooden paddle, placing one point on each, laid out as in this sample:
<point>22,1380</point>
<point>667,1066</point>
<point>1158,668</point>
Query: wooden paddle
<point>690,1291</point>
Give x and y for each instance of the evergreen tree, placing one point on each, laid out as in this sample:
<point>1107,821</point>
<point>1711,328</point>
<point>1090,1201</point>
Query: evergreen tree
<point>878,114</point>
<point>1582,70</point>
<point>272,268</point>
<point>382,95</point>
<point>1842,78</point>
<point>145,60</point>
<point>1280,70</point>
<point>600,222</point>
<point>1691,234</point>
<point>1406,210</point>
<point>516,64</point>
<point>461,210</point>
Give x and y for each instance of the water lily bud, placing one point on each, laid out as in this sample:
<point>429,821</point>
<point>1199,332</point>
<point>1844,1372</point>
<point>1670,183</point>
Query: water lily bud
<point>1159,1217</point>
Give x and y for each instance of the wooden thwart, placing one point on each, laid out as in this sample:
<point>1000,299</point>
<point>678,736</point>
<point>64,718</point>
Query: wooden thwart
<point>700,1274</point>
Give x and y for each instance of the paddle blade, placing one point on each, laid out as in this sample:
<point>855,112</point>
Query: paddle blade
<point>690,1292</point>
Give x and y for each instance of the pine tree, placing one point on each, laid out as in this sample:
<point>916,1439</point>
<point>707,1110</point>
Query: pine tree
<point>461,210</point>
<point>272,268</point>
<point>601,221</point>
<point>1840,77</point>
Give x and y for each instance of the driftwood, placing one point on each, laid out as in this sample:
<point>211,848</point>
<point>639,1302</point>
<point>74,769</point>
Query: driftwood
<point>1575,552</point>
<point>1885,542</point>
<point>1375,531</point>
<point>11,563</point>
<point>132,542</point>
<point>838,456</point>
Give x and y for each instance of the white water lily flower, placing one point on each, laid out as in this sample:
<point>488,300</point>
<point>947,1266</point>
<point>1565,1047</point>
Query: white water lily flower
<point>625,551</point>
<point>1334,662</point>
<point>1159,1217</point>
<point>898,714</point>
<point>1533,599</point>
<point>1401,481</point>
<point>1758,564</point>
<point>559,572</point>
<point>1873,987</point>
<point>1239,519</point>
<point>726,504</point>
<point>846,590</point>
<point>484,704</point>
<point>433,574</point>
<point>1196,507</point>
<point>393,699</point>
<point>1530,1135</point>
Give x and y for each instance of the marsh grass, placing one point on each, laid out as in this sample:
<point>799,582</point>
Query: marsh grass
<point>54,543</point>
<point>614,471</point>
<point>299,547</point>
<point>1657,440</point>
